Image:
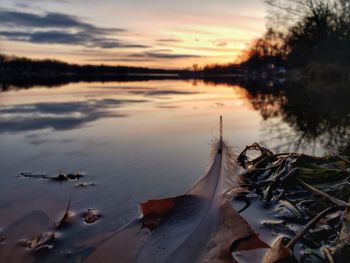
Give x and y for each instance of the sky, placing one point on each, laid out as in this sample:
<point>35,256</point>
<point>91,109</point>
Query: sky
<point>148,33</point>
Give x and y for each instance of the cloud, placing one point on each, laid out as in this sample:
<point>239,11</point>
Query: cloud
<point>170,40</point>
<point>220,43</point>
<point>49,20</point>
<point>120,60</point>
<point>169,92</point>
<point>145,91</point>
<point>162,50</point>
<point>40,141</point>
<point>161,55</point>
<point>62,37</point>
<point>56,28</point>
<point>58,116</point>
<point>168,106</point>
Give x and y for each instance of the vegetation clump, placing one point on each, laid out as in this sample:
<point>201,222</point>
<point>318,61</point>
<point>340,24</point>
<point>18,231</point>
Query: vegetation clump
<point>310,197</point>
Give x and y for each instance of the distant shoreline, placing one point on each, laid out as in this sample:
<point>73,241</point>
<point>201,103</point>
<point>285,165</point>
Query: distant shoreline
<point>26,73</point>
<point>28,81</point>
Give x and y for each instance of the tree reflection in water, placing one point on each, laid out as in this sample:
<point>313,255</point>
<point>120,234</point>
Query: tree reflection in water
<point>299,115</point>
<point>309,117</point>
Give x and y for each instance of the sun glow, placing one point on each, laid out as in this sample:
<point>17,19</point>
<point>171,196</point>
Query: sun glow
<point>157,34</point>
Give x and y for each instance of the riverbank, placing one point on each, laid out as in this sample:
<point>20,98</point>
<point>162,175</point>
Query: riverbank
<point>315,72</point>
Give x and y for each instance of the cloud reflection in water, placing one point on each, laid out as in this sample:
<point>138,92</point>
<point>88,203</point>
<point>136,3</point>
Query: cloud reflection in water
<point>58,116</point>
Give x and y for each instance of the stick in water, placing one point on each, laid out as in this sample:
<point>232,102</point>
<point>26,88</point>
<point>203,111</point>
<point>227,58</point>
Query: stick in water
<point>323,194</point>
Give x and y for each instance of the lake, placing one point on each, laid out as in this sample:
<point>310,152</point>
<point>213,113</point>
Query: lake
<point>144,139</point>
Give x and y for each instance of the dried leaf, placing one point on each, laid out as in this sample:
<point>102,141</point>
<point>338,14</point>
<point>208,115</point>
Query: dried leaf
<point>120,246</point>
<point>154,210</point>
<point>233,234</point>
<point>42,241</point>
<point>28,226</point>
<point>91,216</point>
<point>157,206</point>
<point>60,177</point>
<point>278,252</point>
<point>74,176</point>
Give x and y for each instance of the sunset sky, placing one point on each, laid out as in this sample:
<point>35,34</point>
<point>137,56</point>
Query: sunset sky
<point>152,33</point>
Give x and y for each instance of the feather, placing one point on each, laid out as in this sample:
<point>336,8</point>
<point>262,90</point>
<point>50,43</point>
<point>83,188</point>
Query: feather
<point>176,229</point>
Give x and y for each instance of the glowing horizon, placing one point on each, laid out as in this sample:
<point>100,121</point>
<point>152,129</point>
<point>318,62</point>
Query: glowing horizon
<point>158,34</point>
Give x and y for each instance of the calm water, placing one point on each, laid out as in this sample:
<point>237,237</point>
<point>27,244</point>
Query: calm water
<point>141,140</point>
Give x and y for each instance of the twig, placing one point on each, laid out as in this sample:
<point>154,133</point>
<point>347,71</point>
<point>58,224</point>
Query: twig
<point>269,157</point>
<point>279,163</point>
<point>327,254</point>
<point>309,225</point>
<point>323,194</point>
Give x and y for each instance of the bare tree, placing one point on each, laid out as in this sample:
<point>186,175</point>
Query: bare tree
<point>282,14</point>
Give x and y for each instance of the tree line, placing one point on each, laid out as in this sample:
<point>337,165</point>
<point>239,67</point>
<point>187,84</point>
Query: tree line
<point>304,32</point>
<point>12,65</point>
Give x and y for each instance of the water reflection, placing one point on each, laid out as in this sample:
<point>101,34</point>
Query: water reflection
<point>58,116</point>
<point>141,140</point>
<point>296,116</point>
<point>316,115</point>
<point>309,116</point>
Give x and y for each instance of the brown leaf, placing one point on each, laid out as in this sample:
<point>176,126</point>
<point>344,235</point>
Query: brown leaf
<point>42,241</point>
<point>121,246</point>
<point>153,210</point>
<point>249,242</point>
<point>28,226</point>
<point>158,206</point>
<point>233,234</point>
<point>278,252</point>
<point>91,216</point>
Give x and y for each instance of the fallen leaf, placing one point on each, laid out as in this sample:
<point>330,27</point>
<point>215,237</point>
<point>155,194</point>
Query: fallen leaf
<point>74,176</point>
<point>278,252</point>
<point>60,177</point>
<point>42,241</point>
<point>120,246</point>
<point>157,206</point>
<point>153,210</point>
<point>233,234</point>
<point>28,226</point>
<point>91,216</point>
